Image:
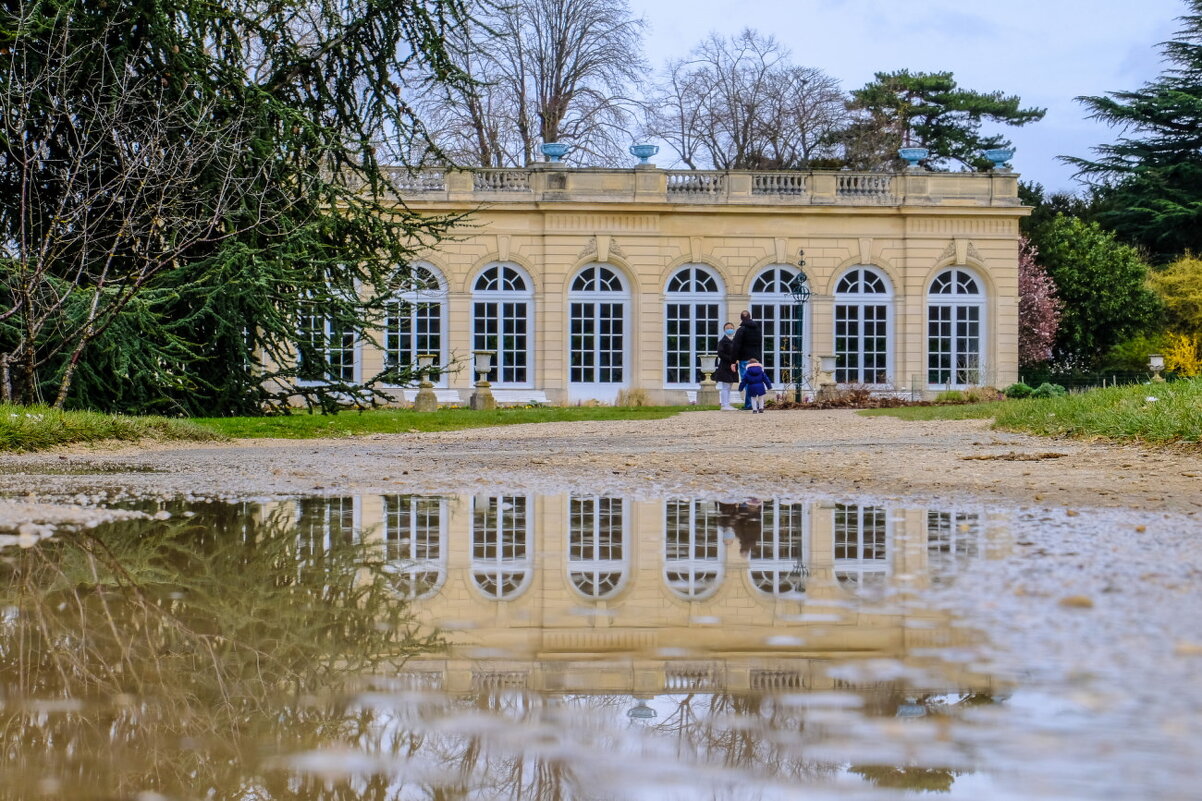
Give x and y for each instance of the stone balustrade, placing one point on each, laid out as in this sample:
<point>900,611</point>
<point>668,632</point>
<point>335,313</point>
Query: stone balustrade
<point>556,183</point>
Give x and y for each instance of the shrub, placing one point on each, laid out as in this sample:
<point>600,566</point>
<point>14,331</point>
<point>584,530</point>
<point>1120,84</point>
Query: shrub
<point>1017,391</point>
<point>1046,390</point>
<point>950,396</point>
<point>632,398</point>
<point>982,394</point>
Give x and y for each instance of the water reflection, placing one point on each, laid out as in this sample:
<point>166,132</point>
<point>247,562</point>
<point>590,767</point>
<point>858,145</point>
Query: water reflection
<point>285,650</point>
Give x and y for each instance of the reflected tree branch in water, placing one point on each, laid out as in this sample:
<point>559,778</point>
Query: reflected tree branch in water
<point>162,654</point>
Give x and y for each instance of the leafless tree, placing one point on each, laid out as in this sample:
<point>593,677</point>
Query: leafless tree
<point>739,103</point>
<point>543,71</point>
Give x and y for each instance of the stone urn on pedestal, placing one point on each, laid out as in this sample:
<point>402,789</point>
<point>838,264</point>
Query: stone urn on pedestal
<point>482,397</point>
<point>707,393</point>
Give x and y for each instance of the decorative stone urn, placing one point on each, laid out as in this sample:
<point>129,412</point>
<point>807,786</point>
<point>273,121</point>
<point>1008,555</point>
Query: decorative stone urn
<point>999,156</point>
<point>643,152</point>
<point>913,155</point>
<point>554,151</point>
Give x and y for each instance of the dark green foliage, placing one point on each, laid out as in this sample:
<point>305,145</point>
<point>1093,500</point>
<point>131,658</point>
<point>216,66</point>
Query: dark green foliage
<point>1017,391</point>
<point>928,109</point>
<point>1151,177</point>
<point>1047,390</point>
<point>299,101</point>
<point>1102,284</point>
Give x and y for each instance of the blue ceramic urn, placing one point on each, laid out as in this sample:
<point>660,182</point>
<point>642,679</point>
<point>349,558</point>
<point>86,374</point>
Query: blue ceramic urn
<point>913,155</point>
<point>554,151</point>
<point>643,152</point>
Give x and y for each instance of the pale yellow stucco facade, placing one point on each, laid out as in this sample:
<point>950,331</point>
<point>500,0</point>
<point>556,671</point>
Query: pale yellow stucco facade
<point>644,225</point>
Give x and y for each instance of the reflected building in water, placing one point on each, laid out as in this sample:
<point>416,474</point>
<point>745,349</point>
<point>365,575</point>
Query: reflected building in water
<point>600,594</point>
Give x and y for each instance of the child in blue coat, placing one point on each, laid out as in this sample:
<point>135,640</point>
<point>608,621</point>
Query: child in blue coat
<point>756,382</point>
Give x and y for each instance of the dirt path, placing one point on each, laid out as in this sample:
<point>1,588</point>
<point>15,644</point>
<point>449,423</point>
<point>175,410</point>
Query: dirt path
<point>697,453</point>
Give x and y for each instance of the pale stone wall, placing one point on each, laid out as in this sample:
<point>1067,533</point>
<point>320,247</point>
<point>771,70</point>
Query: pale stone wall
<point>643,225</point>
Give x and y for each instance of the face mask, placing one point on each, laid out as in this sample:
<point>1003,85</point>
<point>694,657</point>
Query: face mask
<point>730,332</point>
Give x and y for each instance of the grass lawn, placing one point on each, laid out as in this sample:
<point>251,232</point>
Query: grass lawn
<point>32,428</point>
<point>1151,413</point>
<point>401,421</point>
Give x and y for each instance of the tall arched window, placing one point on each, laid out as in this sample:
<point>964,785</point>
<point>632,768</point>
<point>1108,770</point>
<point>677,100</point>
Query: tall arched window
<point>777,566</point>
<point>597,556</point>
<point>861,546</point>
<point>782,323</point>
<point>502,556</point>
<point>415,318</point>
<point>503,305</point>
<point>691,322</point>
<point>862,299</point>
<point>326,350</point>
<point>955,305</point>
<point>693,549</point>
<point>597,318</point>
<point>414,536</point>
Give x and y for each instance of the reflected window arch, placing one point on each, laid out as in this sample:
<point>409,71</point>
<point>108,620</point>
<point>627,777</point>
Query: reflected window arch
<point>598,556</point>
<point>415,543</point>
<point>861,539</point>
<point>324,525</point>
<point>415,317</point>
<point>502,308</point>
<point>779,565</point>
<point>597,310</point>
<point>862,327</point>
<point>953,541</point>
<point>782,323</point>
<point>955,315</point>
<point>502,546</point>
<point>694,553</point>
<point>693,302</point>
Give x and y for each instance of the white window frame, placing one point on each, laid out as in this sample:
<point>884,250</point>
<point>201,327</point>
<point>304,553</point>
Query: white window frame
<point>860,300</point>
<point>406,566</point>
<point>501,296</point>
<point>781,359</point>
<point>356,356</point>
<point>499,565</point>
<point>850,571</point>
<point>773,568</point>
<point>954,301</point>
<point>599,390</point>
<point>441,296</point>
<point>704,574</point>
<point>693,299</point>
<point>592,566</point>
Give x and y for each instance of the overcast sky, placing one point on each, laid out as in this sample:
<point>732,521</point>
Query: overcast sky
<point>1045,51</point>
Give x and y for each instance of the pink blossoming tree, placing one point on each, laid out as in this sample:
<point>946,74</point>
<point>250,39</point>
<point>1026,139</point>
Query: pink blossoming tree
<point>1039,308</point>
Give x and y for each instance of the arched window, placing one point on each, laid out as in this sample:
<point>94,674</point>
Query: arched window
<point>782,323</point>
<point>693,549</point>
<point>691,322</point>
<point>415,317</point>
<point>326,350</point>
<point>502,557</point>
<point>503,304</point>
<point>953,540</point>
<point>414,537</point>
<point>323,525</point>
<point>955,305</point>
<point>777,565</point>
<point>862,299</point>
<point>597,558</point>
<point>861,547</point>
<point>597,318</point>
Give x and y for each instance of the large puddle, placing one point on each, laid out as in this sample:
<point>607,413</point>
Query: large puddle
<point>541,647</point>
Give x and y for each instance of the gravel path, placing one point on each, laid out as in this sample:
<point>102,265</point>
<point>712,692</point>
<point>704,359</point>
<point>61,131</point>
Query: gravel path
<point>704,454</point>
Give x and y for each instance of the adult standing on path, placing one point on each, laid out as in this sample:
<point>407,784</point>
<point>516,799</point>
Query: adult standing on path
<point>728,365</point>
<point>749,344</point>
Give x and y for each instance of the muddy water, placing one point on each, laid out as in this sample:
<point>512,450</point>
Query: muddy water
<point>565,647</point>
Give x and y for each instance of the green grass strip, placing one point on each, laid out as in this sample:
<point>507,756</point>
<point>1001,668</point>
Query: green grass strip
<point>33,428</point>
<point>1150,413</point>
<point>403,421</point>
